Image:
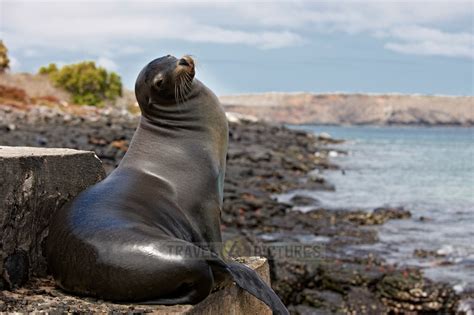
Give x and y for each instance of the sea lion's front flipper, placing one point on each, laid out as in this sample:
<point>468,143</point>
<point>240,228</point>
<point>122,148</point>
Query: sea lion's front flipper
<point>251,282</point>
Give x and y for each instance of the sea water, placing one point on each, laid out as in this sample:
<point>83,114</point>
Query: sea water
<point>427,170</point>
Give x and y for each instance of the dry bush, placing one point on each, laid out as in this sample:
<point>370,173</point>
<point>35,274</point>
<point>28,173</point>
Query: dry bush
<point>34,85</point>
<point>9,94</point>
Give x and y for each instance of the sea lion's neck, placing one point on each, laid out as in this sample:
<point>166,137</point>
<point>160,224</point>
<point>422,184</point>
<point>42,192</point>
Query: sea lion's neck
<point>166,132</point>
<point>187,113</point>
<point>153,142</point>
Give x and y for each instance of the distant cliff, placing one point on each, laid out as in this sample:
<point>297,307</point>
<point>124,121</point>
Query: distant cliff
<point>355,109</point>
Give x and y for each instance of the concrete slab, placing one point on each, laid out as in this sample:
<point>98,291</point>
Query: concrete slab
<point>34,183</point>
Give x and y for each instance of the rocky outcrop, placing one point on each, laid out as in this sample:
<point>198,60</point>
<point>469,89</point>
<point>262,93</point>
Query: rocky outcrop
<point>41,295</point>
<point>35,182</point>
<point>354,109</point>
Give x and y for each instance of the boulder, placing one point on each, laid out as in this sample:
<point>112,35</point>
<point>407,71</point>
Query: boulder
<point>34,183</point>
<point>302,200</point>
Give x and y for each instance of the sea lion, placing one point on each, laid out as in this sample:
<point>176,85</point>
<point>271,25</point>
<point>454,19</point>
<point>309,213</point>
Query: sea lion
<point>129,237</point>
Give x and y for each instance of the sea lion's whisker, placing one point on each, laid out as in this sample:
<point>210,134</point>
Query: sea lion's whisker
<point>176,93</point>
<point>182,91</point>
<point>188,81</point>
<point>186,85</point>
<point>183,88</point>
<point>178,86</point>
<point>183,85</point>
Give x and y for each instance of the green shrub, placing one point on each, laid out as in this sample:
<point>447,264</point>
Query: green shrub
<point>88,83</point>
<point>51,68</point>
<point>4,61</point>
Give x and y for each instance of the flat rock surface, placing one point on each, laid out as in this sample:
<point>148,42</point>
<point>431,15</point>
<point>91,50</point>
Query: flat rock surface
<point>40,294</point>
<point>9,151</point>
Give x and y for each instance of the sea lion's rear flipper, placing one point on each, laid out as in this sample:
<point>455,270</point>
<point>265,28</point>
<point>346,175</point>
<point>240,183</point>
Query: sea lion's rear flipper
<point>251,282</point>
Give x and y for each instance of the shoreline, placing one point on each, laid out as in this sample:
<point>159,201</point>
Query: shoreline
<point>263,160</point>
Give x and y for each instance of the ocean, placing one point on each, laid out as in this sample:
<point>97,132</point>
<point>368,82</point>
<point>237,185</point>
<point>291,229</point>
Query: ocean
<point>427,170</point>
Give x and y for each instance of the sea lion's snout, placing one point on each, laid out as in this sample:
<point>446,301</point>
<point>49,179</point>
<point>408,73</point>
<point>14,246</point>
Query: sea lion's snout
<point>186,61</point>
<point>183,77</point>
<point>183,62</point>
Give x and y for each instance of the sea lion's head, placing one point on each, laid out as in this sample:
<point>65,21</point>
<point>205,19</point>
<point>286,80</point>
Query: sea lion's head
<point>165,81</point>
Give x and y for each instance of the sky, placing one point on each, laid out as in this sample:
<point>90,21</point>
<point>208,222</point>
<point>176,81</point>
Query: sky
<point>424,47</point>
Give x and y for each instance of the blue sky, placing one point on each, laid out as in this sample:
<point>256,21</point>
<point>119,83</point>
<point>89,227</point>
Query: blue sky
<point>257,46</point>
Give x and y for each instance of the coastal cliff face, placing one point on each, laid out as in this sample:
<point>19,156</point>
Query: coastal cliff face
<point>354,109</point>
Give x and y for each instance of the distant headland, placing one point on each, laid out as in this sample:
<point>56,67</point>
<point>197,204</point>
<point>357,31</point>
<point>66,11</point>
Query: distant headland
<point>354,109</point>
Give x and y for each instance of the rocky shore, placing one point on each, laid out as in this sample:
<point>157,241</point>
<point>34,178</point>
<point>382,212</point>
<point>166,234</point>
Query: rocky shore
<point>314,269</point>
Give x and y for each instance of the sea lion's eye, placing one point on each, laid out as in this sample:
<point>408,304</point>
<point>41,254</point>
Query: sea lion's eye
<point>158,82</point>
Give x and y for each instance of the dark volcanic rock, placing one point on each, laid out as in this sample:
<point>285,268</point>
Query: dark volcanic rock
<point>422,253</point>
<point>289,278</point>
<point>306,310</point>
<point>325,299</point>
<point>409,291</point>
<point>378,216</point>
<point>342,276</point>
<point>16,269</point>
<point>361,301</point>
<point>301,200</point>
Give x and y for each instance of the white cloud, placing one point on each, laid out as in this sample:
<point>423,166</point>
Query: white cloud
<point>427,41</point>
<point>265,40</point>
<point>75,26</point>
<point>406,27</point>
<point>111,28</point>
<point>107,63</point>
<point>430,48</point>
